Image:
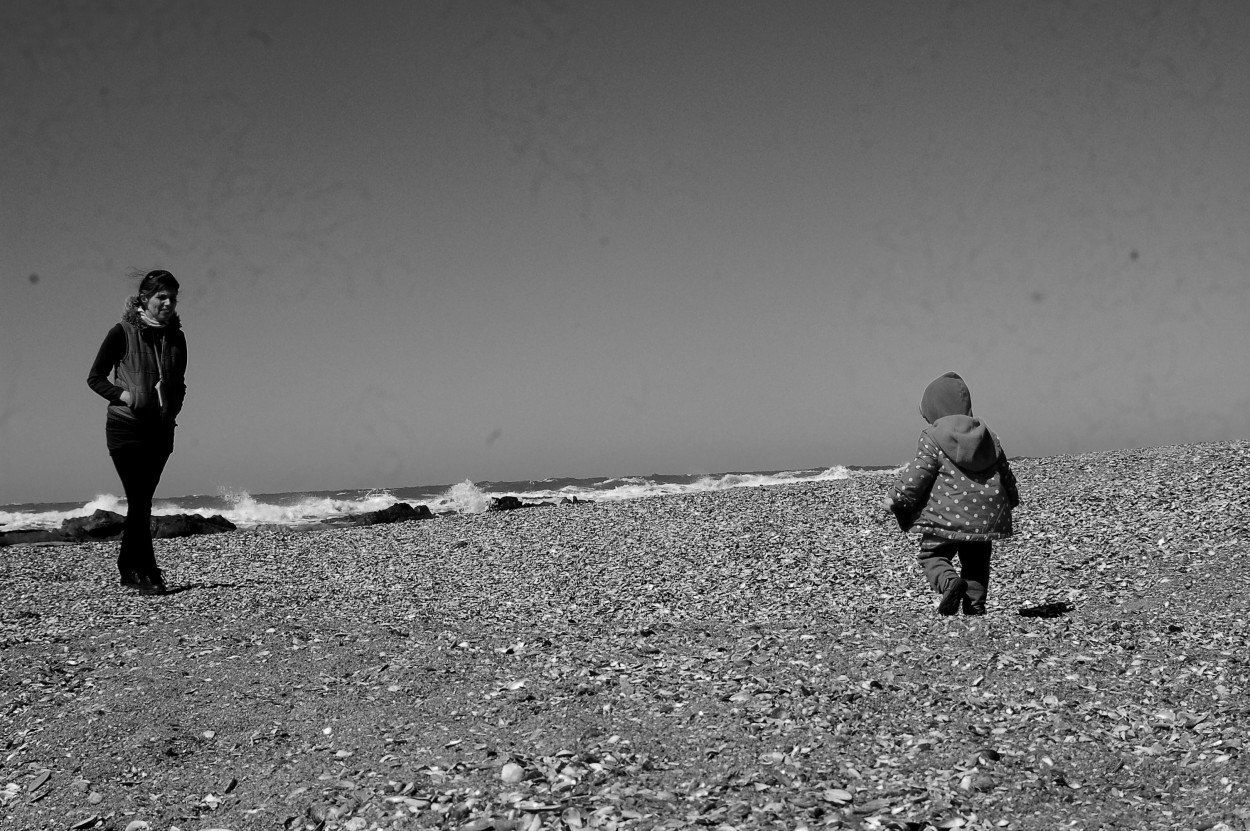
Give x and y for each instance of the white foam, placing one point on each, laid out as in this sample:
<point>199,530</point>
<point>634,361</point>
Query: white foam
<point>46,520</point>
<point>463,498</point>
<point>633,487</point>
<point>245,511</point>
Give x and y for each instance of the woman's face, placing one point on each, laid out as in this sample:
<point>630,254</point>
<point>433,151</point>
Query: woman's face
<point>160,306</point>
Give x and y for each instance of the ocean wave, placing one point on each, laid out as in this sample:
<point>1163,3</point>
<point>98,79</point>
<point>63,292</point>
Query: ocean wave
<point>51,516</point>
<point>248,511</point>
<point>463,498</point>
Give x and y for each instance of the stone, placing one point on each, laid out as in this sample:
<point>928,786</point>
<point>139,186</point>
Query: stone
<point>505,503</point>
<point>107,525</point>
<point>188,525</point>
<point>511,503</point>
<point>399,512</point>
<point>34,537</point>
<point>99,526</point>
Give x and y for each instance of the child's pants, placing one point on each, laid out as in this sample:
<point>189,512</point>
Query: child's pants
<point>935,557</point>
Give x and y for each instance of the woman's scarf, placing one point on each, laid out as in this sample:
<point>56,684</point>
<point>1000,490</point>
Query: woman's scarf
<point>151,322</point>
<point>148,320</point>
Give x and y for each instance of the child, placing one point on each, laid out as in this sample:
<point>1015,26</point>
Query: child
<point>958,494</point>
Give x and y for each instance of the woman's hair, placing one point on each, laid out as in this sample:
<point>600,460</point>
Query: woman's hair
<point>153,281</point>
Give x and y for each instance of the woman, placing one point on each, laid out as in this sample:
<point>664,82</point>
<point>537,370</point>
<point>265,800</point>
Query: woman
<point>147,355</point>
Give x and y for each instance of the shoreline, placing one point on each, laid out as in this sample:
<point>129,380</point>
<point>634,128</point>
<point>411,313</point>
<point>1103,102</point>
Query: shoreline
<point>472,499</point>
<point>1034,473</point>
<point>308,507</point>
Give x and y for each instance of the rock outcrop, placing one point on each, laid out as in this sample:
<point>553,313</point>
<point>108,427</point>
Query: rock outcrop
<point>108,525</point>
<point>189,525</point>
<point>512,503</point>
<point>101,525</point>
<point>399,512</point>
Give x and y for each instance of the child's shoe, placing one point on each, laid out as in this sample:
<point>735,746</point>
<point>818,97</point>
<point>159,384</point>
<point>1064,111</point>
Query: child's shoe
<point>948,604</point>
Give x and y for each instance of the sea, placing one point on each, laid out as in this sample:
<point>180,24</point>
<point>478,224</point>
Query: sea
<point>302,508</point>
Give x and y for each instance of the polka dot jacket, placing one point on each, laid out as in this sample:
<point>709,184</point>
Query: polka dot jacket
<point>959,486</point>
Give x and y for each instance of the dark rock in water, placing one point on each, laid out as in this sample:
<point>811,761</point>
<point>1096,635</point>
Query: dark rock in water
<point>189,525</point>
<point>33,537</point>
<point>106,525</point>
<point>399,512</point>
<point>511,503</point>
<point>402,512</point>
<point>100,525</point>
<point>573,500</point>
<point>505,503</point>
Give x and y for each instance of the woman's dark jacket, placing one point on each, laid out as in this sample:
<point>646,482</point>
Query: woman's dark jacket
<point>149,362</point>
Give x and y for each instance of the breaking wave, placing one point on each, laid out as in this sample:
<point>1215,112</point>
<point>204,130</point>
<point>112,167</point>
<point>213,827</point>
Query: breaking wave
<point>248,510</point>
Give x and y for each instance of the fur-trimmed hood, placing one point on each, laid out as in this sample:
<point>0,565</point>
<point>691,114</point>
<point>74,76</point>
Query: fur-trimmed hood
<point>130,314</point>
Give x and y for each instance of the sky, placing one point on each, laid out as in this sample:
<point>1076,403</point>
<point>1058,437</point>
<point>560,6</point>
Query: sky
<point>424,242</point>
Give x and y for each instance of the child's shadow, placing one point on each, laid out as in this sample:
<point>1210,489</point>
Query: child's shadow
<point>1053,608</point>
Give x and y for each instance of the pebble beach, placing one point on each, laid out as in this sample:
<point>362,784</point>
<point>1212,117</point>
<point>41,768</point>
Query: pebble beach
<point>665,629</point>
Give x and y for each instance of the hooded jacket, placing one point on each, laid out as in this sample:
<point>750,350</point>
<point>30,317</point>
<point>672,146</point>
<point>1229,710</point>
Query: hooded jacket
<point>960,485</point>
<point>151,364</point>
<point>946,395</point>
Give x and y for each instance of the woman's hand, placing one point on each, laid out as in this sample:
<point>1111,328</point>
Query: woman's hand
<point>127,398</point>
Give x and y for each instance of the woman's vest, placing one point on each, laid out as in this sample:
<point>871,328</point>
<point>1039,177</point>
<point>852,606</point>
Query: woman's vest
<point>142,371</point>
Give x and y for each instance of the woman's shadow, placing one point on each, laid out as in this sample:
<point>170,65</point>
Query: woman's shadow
<point>172,590</point>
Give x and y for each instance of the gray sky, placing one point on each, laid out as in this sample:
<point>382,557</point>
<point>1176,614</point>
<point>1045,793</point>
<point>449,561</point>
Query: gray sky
<point>424,242</point>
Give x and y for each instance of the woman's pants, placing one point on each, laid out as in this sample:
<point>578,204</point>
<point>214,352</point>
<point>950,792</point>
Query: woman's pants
<point>140,470</point>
